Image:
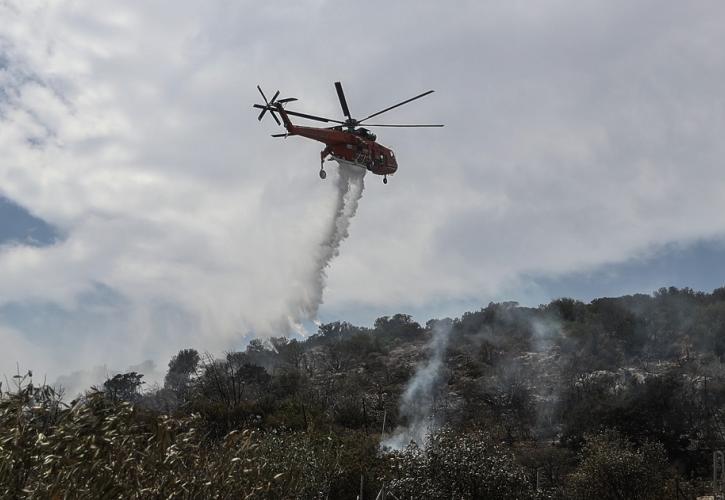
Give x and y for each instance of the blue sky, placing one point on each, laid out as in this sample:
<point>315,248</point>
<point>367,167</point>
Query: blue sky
<point>582,156</point>
<point>699,266</point>
<point>17,226</point>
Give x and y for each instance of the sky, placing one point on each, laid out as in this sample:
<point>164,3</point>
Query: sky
<point>144,209</point>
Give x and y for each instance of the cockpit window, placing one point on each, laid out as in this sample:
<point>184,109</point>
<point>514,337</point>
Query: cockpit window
<point>363,132</point>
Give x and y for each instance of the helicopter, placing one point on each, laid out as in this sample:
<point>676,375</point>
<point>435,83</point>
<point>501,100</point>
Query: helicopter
<point>347,142</point>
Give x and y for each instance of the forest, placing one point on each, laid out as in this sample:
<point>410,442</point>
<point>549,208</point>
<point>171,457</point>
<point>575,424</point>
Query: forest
<point>619,398</point>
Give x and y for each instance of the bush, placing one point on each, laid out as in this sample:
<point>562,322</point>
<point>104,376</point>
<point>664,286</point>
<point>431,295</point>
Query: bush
<point>612,468</point>
<point>99,448</point>
<point>458,465</point>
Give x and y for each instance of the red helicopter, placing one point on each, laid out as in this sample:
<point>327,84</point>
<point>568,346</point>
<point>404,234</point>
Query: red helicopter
<point>346,143</point>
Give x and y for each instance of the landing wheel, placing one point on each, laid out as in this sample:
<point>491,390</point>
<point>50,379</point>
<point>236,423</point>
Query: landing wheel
<point>385,180</point>
<point>323,174</point>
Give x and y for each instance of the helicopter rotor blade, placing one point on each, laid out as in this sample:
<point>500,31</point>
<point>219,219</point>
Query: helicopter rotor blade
<point>343,101</point>
<point>301,115</point>
<point>264,110</point>
<point>268,106</point>
<point>313,117</point>
<point>389,125</point>
<point>397,105</point>
<point>271,111</point>
<point>263,96</point>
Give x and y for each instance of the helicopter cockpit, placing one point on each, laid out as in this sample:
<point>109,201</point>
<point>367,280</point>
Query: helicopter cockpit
<point>366,134</point>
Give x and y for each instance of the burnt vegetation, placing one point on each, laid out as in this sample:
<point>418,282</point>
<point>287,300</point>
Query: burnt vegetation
<point>619,398</point>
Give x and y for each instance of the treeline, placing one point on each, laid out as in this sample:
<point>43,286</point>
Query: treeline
<point>618,398</point>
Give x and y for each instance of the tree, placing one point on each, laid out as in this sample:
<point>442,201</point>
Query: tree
<point>399,326</point>
<point>232,381</point>
<point>260,352</point>
<point>510,400</point>
<point>123,387</point>
<point>458,465</point>
<point>612,468</point>
<point>181,368</point>
<point>568,309</point>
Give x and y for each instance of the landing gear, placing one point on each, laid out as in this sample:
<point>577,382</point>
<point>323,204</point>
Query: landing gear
<point>323,155</point>
<point>385,179</point>
<point>323,174</point>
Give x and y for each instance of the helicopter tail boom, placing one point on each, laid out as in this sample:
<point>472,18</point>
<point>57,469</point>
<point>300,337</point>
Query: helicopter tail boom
<point>285,119</point>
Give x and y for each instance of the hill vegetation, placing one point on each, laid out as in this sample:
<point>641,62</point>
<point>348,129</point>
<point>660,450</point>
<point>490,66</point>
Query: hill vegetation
<point>619,398</point>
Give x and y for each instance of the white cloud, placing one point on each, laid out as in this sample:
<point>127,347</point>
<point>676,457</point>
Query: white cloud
<point>575,136</point>
<point>16,354</point>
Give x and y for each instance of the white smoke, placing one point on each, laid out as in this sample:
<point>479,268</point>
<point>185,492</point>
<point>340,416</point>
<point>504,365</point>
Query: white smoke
<point>350,185</point>
<point>544,333</point>
<point>418,403</point>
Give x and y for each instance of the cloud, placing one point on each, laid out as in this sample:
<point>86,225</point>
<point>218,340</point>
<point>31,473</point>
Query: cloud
<point>16,351</point>
<point>576,136</point>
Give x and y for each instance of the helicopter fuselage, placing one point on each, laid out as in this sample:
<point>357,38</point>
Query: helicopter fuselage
<point>357,147</point>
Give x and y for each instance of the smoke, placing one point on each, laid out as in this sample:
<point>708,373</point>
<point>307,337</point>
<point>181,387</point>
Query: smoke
<point>545,332</point>
<point>418,403</point>
<point>350,185</point>
<point>77,382</point>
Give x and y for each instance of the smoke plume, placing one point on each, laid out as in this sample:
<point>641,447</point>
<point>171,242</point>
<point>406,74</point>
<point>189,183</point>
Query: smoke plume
<point>350,185</point>
<point>418,403</point>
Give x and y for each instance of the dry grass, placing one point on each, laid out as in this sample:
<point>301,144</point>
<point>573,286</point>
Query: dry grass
<point>99,449</point>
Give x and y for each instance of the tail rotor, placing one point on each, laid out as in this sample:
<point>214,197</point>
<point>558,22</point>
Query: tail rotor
<point>271,105</point>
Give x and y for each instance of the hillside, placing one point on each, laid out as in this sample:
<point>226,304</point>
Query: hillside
<point>619,398</point>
